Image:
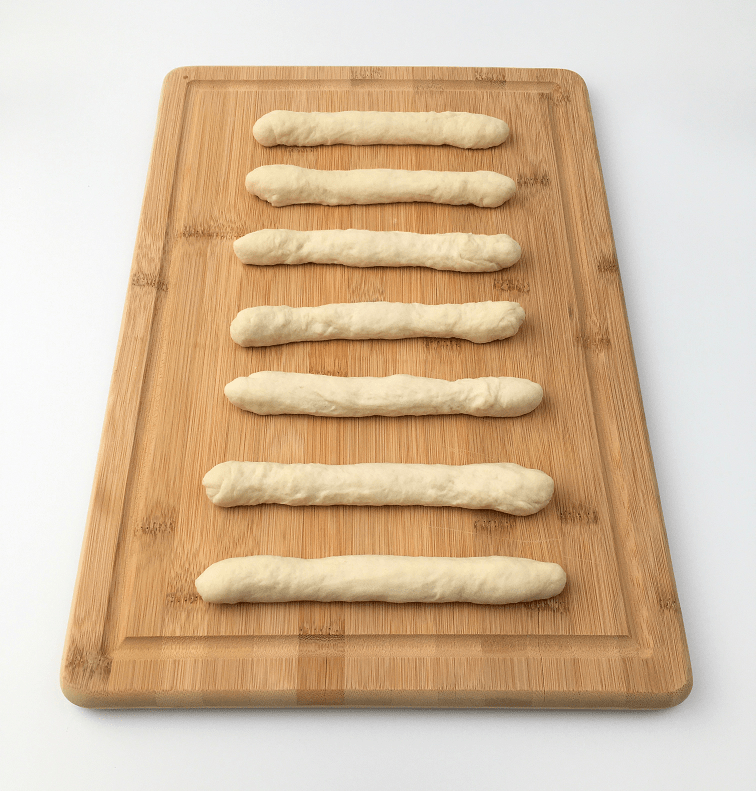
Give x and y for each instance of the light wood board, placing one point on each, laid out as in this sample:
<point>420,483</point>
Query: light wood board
<point>139,635</point>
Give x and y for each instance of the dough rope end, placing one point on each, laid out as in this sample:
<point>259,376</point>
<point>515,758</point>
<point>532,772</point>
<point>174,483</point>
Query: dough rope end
<point>204,585</point>
<point>515,254</point>
<point>263,131</point>
<point>239,247</point>
<point>213,482</point>
<point>558,581</point>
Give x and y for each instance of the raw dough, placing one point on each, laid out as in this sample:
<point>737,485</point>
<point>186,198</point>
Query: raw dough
<point>394,578</point>
<point>463,130</point>
<point>284,185</point>
<point>499,487</point>
<point>279,393</point>
<point>479,322</point>
<point>464,252</point>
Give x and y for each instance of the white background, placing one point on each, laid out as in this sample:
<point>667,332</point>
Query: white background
<point>672,91</point>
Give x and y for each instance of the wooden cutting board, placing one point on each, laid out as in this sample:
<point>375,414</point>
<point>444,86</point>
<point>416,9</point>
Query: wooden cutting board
<point>139,635</point>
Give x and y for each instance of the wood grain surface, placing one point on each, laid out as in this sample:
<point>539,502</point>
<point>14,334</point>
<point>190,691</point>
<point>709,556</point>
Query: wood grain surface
<point>139,635</point>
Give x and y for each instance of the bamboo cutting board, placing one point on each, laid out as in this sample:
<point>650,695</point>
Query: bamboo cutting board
<point>139,635</point>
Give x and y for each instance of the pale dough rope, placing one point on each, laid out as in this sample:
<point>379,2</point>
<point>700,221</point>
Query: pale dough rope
<point>392,578</point>
<point>283,393</point>
<point>502,487</point>
<point>463,252</point>
<point>355,128</point>
<point>285,185</point>
<point>479,322</point>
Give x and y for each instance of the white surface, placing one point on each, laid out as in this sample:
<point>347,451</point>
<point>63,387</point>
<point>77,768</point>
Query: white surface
<point>672,91</point>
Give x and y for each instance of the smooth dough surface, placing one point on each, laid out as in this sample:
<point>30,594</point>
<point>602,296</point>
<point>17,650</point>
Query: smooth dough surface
<point>499,487</point>
<point>284,185</point>
<point>463,252</point>
<point>282,393</point>
<point>392,578</point>
<point>355,128</point>
<point>479,322</point>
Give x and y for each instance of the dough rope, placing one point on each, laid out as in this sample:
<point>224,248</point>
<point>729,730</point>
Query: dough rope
<point>280,393</point>
<point>285,185</point>
<point>499,487</point>
<point>463,252</point>
<point>354,128</point>
<point>391,578</point>
<point>479,322</point>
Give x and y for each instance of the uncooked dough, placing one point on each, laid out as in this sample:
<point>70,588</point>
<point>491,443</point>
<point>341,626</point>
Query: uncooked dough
<point>284,185</point>
<point>463,252</point>
<point>393,578</point>
<point>479,322</point>
<point>498,487</point>
<point>354,128</point>
<point>280,393</point>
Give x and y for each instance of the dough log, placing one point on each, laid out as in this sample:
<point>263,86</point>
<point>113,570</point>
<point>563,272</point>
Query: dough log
<point>499,487</point>
<point>479,322</point>
<point>279,393</point>
<point>284,185</point>
<point>393,578</point>
<point>463,130</point>
<point>463,252</point>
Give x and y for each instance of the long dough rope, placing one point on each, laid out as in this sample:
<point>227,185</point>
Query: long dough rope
<point>281,393</point>
<point>499,487</point>
<point>354,128</point>
<point>392,578</point>
<point>479,322</point>
<point>284,185</point>
<point>463,252</point>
